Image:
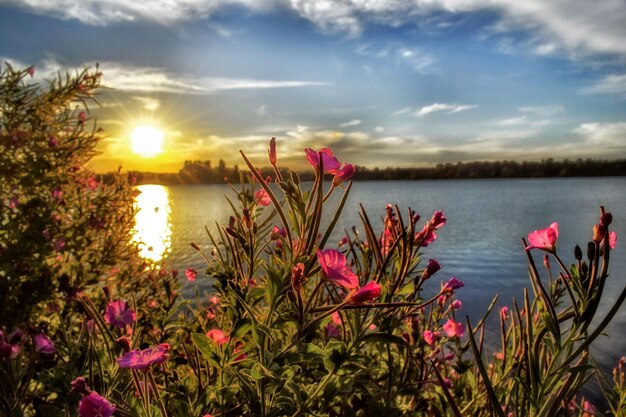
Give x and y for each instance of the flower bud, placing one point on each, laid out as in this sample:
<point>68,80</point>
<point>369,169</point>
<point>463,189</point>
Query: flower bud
<point>598,233</point>
<point>591,251</point>
<point>124,342</point>
<point>606,219</point>
<point>272,151</point>
<point>578,253</point>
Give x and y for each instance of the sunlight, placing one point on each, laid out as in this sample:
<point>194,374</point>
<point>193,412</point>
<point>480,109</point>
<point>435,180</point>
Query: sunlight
<point>152,222</point>
<point>147,141</point>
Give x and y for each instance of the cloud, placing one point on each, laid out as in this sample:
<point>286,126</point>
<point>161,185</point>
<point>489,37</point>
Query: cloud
<point>603,135</point>
<point>402,111</point>
<point>449,108</point>
<point>543,111</point>
<point>513,121</point>
<point>576,25</point>
<point>351,123</point>
<point>149,104</point>
<point>611,84</point>
<point>419,61</point>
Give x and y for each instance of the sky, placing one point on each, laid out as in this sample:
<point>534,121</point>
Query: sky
<point>381,82</point>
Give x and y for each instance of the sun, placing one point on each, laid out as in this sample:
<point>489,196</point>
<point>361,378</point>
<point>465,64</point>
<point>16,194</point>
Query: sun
<point>147,141</point>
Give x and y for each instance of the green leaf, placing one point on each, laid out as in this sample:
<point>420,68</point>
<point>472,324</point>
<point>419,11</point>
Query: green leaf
<point>207,348</point>
<point>384,337</point>
<point>334,355</point>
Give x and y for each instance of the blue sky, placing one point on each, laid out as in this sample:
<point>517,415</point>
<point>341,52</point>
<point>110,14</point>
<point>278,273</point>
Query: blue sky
<point>381,82</point>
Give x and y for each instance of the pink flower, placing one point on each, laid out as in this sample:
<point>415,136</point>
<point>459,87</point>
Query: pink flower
<point>52,142</point>
<point>457,304</point>
<point>82,116</point>
<point>332,331</point>
<point>453,328</point>
<point>94,405</point>
<point>119,314</point>
<point>612,239</point>
<point>452,285</point>
<point>59,244</point>
<point>43,344</point>
<point>344,174</point>
<point>589,409</point>
<point>218,336</point>
<point>334,268</point>
<point>430,337</point>
<point>31,71</point>
<point>432,267</point>
<point>544,239</point>
<point>344,241</point>
<point>426,236</point>
<point>215,300</point>
<point>277,232</point>
<point>272,151</point>
<point>143,359</point>
<point>366,294</point>
<point>437,220</point>
<point>331,164</point>
<point>504,311</point>
<point>191,274</point>
<point>262,198</point>
<point>336,318</point>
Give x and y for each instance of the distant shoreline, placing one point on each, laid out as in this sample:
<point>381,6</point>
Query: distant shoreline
<point>202,172</point>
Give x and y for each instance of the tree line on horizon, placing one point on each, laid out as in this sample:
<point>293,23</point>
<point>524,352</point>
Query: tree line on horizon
<point>203,172</point>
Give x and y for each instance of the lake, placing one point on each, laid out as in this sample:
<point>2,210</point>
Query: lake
<point>480,244</point>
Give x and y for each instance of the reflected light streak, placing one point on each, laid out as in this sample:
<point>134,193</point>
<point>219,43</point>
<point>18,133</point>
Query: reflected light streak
<point>153,229</point>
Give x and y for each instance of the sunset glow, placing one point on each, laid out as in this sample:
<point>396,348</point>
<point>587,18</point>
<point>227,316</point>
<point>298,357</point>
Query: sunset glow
<point>147,141</point>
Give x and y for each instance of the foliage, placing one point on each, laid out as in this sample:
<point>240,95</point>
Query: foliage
<point>294,324</point>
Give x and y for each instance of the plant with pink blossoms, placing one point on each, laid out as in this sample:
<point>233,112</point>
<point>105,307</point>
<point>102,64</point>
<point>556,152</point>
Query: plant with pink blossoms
<point>544,239</point>
<point>94,405</point>
<point>119,314</point>
<point>262,198</point>
<point>366,294</point>
<point>144,359</point>
<point>330,163</point>
<point>335,269</point>
<point>453,328</point>
<point>191,274</point>
<point>44,345</point>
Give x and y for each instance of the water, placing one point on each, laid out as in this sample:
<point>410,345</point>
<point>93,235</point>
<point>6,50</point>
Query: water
<point>480,244</point>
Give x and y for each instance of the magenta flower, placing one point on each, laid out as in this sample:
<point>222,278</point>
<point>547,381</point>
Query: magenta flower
<point>119,314</point>
<point>262,198</point>
<point>425,236</point>
<point>272,151</point>
<point>504,311</point>
<point>43,344</point>
<point>144,359</point>
<point>94,405</point>
<point>332,331</point>
<point>432,267</point>
<point>344,241</point>
<point>452,285</point>
<point>218,336</point>
<point>430,337</point>
<point>612,239</point>
<point>457,304</point>
<point>31,71</point>
<point>191,274</point>
<point>366,294</point>
<point>52,141</point>
<point>344,174</point>
<point>59,244</point>
<point>544,239</point>
<point>82,116</point>
<point>8,349</point>
<point>437,220</point>
<point>331,164</point>
<point>334,268</point>
<point>453,328</point>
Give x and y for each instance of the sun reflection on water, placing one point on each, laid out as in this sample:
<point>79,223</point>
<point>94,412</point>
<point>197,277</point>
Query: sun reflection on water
<point>153,230</point>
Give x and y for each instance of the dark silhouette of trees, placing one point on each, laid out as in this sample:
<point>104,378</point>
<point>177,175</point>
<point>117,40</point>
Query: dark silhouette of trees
<point>202,172</point>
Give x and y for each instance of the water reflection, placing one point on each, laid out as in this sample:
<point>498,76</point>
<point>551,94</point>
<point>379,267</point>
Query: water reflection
<point>153,229</point>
